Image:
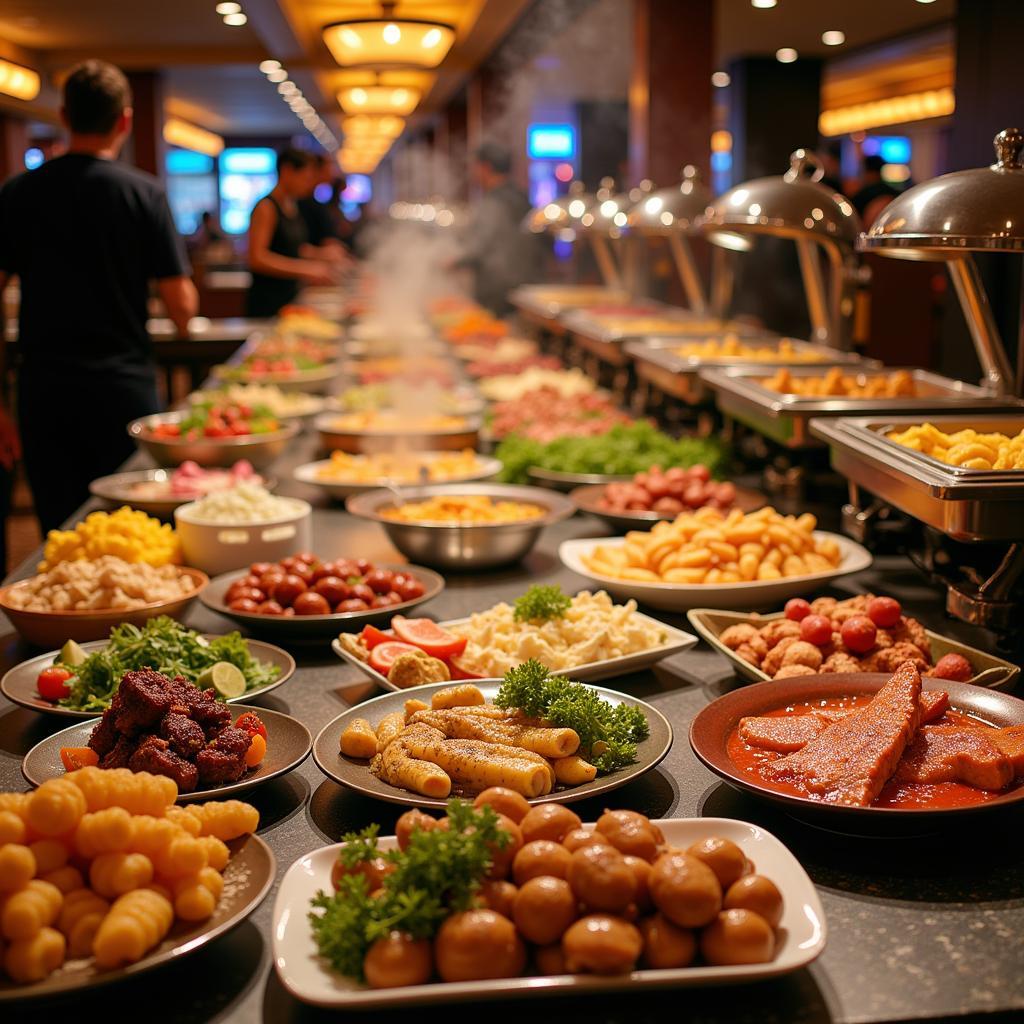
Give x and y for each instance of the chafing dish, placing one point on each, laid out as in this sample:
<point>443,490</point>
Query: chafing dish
<point>965,504</point>
<point>659,364</point>
<point>784,418</point>
<point>544,304</point>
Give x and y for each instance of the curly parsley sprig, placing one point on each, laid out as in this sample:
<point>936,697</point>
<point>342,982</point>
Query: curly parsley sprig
<point>541,603</point>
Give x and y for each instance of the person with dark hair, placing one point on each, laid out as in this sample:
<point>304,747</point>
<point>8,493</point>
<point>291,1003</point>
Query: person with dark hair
<point>874,193</point>
<point>281,257</point>
<point>501,255</point>
<point>85,234</point>
<point>832,164</point>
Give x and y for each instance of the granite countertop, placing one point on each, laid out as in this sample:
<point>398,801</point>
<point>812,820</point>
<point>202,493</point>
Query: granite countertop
<point>920,927</point>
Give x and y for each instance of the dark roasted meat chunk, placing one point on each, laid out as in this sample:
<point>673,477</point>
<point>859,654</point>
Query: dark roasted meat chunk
<point>142,699</point>
<point>120,754</point>
<point>185,737</point>
<point>155,755</point>
<point>224,759</point>
<point>105,736</point>
<point>213,716</point>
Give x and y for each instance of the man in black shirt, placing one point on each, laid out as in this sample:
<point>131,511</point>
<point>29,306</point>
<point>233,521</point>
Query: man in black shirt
<point>85,234</point>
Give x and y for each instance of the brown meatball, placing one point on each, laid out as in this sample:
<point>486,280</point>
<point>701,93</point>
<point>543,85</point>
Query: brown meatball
<point>631,835</point>
<point>544,907</point>
<point>505,801</point>
<point>685,890</point>
<point>499,896</point>
<point>548,821</point>
<point>501,860</point>
<point>723,856</point>
<point>601,878</point>
<point>601,944</point>
<point>756,893</point>
<point>541,857</point>
<point>409,823</point>
<point>666,944</point>
<point>478,944</point>
<point>550,959</point>
<point>623,816</point>
<point>642,872</point>
<point>580,837</point>
<point>738,937</point>
<point>398,959</point>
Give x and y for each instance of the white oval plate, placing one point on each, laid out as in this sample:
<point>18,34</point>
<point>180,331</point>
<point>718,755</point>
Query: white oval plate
<point>802,934</point>
<point>678,597</point>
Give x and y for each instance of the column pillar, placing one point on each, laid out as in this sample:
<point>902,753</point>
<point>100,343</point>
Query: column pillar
<point>147,140</point>
<point>670,89</point>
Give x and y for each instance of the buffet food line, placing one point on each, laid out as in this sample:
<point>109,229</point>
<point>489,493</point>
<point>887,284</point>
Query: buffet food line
<point>510,690</point>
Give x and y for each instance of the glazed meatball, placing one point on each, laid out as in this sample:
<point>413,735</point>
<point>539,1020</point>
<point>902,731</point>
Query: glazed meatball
<point>738,937</point>
<point>756,893</point>
<point>505,801</point>
<point>632,835</point>
<point>548,821</point>
<point>642,872</point>
<point>501,859</point>
<point>499,896</point>
<point>601,944</point>
<point>478,944</point>
<point>398,959</point>
<point>601,878</point>
<point>410,822</point>
<point>685,889</point>
<point>580,837</point>
<point>723,856</point>
<point>543,909</point>
<point>666,944</point>
<point>550,960</point>
<point>541,857</point>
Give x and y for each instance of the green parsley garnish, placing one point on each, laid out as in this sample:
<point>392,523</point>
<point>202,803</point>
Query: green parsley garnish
<point>608,732</point>
<point>438,874</point>
<point>541,603</point>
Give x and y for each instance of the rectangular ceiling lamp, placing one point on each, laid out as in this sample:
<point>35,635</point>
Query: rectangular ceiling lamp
<point>360,125</point>
<point>379,99</point>
<point>21,83</point>
<point>897,110</point>
<point>191,136</point>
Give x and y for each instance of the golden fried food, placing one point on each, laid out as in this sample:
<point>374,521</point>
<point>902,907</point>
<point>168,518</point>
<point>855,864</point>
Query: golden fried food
<point>834,383</point>
<point>967,449</point>
<point>387,421</point>
<point>731,347</point>
<point>399,467</point>
<point>466,509</point>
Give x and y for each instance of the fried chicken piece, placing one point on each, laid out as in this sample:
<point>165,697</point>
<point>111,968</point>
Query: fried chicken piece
<point>802,653</point>
<point>185,737</point>
<point>779,630</point>
<point>749,653</point>
<point>795,670</point>
<point>142,699</point>
<point>734,636</point>
<point>223,760</point>
<point>912,631</point>
<point>773,662</point>
<point>848,609</point>
<point>120,754</point>
<point>883,639</point>
<point>824,606</point>
<point>105,735</point>
<point>841,661</point>
<point>891,658</point>
<point>154,755</point>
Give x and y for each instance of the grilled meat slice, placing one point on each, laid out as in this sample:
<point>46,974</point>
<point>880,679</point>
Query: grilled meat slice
<point>952,753</point>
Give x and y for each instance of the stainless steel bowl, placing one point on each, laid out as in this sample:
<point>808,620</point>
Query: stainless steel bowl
<point>456,546</point>
<point>118,490</point>
<point>259,449</point>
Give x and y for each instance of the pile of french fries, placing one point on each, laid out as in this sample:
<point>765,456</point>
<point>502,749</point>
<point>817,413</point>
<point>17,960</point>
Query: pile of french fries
<point>708,546</point>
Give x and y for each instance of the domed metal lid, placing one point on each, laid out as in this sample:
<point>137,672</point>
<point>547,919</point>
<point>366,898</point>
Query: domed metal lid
<point>675,208</point>
<point>979,210</point>
<point>791,206</point>
<point>607,209</point>
<point>561,213</point>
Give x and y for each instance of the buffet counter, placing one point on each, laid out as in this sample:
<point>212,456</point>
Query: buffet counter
<point>920,927</point>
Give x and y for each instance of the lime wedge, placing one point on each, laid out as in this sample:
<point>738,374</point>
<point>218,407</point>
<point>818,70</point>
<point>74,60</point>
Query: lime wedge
<point>225,678</point>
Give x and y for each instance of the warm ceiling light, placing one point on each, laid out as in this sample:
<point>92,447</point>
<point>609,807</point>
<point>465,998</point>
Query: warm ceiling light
<point>234,20</point>
<point>388,42</point>
<point>288,87</point>
<point>379,99</point>
<point>764,5</point>
<point>896,110</point>
<point>266,66</point>
<point>369,144</point>
<point>926,1</point>
<point>361,125</point>
<point>280,75</point>
<point>786,55</point>
<point>190,136</point>
<point>21,83</point>
<point>833,37</point>
<point>721,141</point>
<point>228,8</point>
<point>720,79</point>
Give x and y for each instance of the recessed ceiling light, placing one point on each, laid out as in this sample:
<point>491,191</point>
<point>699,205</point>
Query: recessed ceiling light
<point>228,8</point>
<point>720,79</point>
<point>764,5</point>
<point>279,75</point>
<point>786,55</point>
<point>234,20</point>
<point>833,37</point>
<point>926,1</point>
<point>266,66</point>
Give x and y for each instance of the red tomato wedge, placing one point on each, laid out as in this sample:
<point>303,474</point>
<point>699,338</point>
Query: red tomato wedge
<point>428,636</point>
<point>382,657</point>
<point>458,672</point>
<point>372,636</point>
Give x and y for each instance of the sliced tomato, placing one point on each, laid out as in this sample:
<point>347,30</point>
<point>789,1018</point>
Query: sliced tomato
<point>382,657</point>
<point>458,672</point>
<point>428,636</point>
<point>372,636</point>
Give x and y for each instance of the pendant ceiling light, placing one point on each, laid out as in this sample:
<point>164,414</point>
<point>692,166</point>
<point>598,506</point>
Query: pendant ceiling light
<point>360,125</point>
<point>379,99</point>
<point>388,42</point>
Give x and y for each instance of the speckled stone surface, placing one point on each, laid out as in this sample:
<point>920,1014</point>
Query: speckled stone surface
<point>919,927</point>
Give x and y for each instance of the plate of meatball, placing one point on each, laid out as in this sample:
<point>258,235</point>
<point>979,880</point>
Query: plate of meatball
<point>865,633</point>
<point>170,727</point>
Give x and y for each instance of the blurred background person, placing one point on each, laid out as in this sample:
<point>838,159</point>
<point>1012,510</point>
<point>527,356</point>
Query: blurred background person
<point>499,253</point>
<point>832,162</point>
<point>874,194</point>
<point>85,234</point>
<point>281,258</point>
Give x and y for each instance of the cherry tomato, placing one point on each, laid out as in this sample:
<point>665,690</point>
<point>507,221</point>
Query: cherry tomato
<point>324,570</point>
<point>252,580</point>
<point>346,568</point>
<point>372,870</point>
<point>245,594</point>
<point>304,572</point>
<point>52,683</point>
<point>333,589</point>
<point>363,566</point>
<point>952,666</point>
<point>816,629</point>
<point>409,589</point>
<point>308,557</point>
<point>351,604</point>
<point>383,655</point>
<point>363,593</point>
<point>380,580</point>
<point>428,636</point>
<point>372,636</point>
<point>273,575</point>
<point>286,590</point>
<point>884,612</point>
<point>244,604</point>
<point>797,609</point>
<point>270,608</point>
<point>309,602</point>
<point>858,633</point>
<point>250,722</point>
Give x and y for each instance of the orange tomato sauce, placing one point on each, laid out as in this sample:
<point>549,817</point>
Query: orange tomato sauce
<point>906,796</point>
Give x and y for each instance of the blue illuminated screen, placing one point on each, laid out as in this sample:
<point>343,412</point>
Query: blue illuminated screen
<point>551,141</point>
<point>185,161</point>
<point>246,175</point>
<point>358,189</point>
<point>893,149</point>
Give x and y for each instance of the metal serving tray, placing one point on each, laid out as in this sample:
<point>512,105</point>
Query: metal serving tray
<point>676,375</point>
<point>784,417</point>
<point>549,302</point>
<point>965,504</point>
